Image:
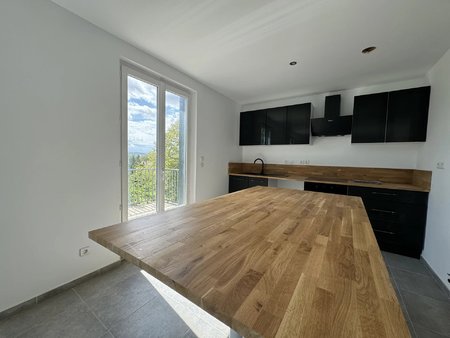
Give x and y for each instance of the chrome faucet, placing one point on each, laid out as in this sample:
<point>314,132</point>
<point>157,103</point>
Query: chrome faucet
<point>262,165</point>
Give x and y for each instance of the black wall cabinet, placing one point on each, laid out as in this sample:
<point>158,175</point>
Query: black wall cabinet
<point>281,125</point>
<point>298,124</point>
<point>369,118</point>
<point>252,128</point>
<point>276,126</point>
<point>398,116</point>
<point>408,115</point>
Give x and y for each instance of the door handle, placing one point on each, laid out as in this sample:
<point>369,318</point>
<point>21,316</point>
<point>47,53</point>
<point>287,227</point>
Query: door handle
<point>383,193</point>
<point>384,232</point>
<point>384,211</point>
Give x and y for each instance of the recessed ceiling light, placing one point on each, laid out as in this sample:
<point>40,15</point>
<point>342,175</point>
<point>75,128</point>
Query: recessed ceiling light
<point>368,50</point>
<point>293,63</point>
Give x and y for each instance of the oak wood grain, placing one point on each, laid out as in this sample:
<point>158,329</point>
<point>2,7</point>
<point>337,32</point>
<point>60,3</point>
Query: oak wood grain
<point>270,262</point>
<point>401,179</point>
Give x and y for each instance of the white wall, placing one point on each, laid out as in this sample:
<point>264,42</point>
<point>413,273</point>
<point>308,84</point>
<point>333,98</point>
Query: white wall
<point>60,143</point>
<point>338,150</point>
<point>437,149</point>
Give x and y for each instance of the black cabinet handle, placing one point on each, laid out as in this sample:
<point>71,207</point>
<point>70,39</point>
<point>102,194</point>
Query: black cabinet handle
<point>384,211</point>
<point>383,193</point>
<point>384,232</point>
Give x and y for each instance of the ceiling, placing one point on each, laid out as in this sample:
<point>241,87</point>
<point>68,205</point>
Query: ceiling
<point>242,48</point>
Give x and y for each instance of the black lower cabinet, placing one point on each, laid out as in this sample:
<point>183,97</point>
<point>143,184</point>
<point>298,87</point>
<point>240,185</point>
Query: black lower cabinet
<point>327,188</point>
<point>237,183</point>
<point>398,217</point>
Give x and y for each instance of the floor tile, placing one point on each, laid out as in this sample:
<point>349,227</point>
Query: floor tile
<point>72,323</point>
<point>200,322</point>
<point>418,283</point>
<point>427,312</point>
<point>424,333</point>
<point>39,313</point>
<point>405,263</point>
<point>122,299</point>
<point>155,319</point>
<point>106,280</point>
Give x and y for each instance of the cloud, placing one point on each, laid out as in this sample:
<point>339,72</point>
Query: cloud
<point>142,111</point>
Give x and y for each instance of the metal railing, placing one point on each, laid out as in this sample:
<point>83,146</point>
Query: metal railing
<point>142,186</point>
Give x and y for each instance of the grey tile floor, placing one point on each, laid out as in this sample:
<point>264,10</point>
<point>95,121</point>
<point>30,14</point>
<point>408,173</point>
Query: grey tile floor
<point>126,302</point>
<point>425,305</point>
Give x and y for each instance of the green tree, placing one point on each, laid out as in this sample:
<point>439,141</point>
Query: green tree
<point>142,172</point>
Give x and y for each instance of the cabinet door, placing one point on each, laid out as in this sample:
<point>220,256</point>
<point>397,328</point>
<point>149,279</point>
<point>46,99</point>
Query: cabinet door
<point>252,128</point>
<point>369,118</point>
<point>255,181</point>
<point>298,124</point>
<point>408,115</point>
<point>237,183</point>
<point>326,188</point>
<point>276,126</point>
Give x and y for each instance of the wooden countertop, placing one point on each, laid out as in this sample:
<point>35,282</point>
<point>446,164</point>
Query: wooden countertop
<point>270,262</point>
<point>331,180</point>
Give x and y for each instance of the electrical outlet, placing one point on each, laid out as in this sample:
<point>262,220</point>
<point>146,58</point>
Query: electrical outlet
<point>83,251</point>
<point>440,165</point>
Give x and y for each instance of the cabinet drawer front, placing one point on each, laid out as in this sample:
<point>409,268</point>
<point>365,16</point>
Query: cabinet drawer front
<point>253,182</point>
<point>327,188</point>
<point>413,197</point>
<point>409,216</point>
<point>385,238</point>
<point>237,183</point>
<point>386,226</point>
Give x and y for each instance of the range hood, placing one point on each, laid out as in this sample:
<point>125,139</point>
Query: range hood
<point>332,124</point>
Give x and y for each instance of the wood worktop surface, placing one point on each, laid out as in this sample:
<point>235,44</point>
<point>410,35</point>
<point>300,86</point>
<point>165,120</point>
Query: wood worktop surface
<point>332,180</point>
<point>388,178</point>
<point>270,262</point>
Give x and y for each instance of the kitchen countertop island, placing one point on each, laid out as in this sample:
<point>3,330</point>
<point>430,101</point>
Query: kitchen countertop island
<point>270,262</point>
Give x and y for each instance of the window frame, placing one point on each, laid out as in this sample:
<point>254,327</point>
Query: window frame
<point>162,84</point>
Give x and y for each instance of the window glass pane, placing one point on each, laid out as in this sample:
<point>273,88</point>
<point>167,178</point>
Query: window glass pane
<point>175,164</point>
<point>142,110</point>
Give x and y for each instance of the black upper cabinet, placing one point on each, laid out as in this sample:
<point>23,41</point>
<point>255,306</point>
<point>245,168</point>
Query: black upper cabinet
<point>408,115</point>
<point>281,125</point>
<point>398,116</point>
<point>298,124</point>
<point>369,118</point>
<point>252,128</point>
<point>276,126</point>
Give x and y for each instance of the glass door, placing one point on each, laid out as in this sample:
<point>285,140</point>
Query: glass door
<point>175,149</point>
<point>154,119</point>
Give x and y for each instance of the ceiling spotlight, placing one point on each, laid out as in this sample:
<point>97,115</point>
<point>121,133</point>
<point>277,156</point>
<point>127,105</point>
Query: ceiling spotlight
<point>368,50</point>
<point>293,63</point>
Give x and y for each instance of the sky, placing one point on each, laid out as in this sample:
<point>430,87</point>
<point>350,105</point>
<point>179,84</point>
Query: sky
<point>142,115</point>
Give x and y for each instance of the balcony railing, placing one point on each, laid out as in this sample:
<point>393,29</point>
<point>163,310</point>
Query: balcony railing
<point>142,186</point>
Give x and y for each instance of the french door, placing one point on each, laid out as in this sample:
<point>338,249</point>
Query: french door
<point>154,129</point>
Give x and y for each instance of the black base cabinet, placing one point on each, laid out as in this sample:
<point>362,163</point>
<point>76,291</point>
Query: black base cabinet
<point>237,183</point>
<point>338,189</point>
<point>398,217</point>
